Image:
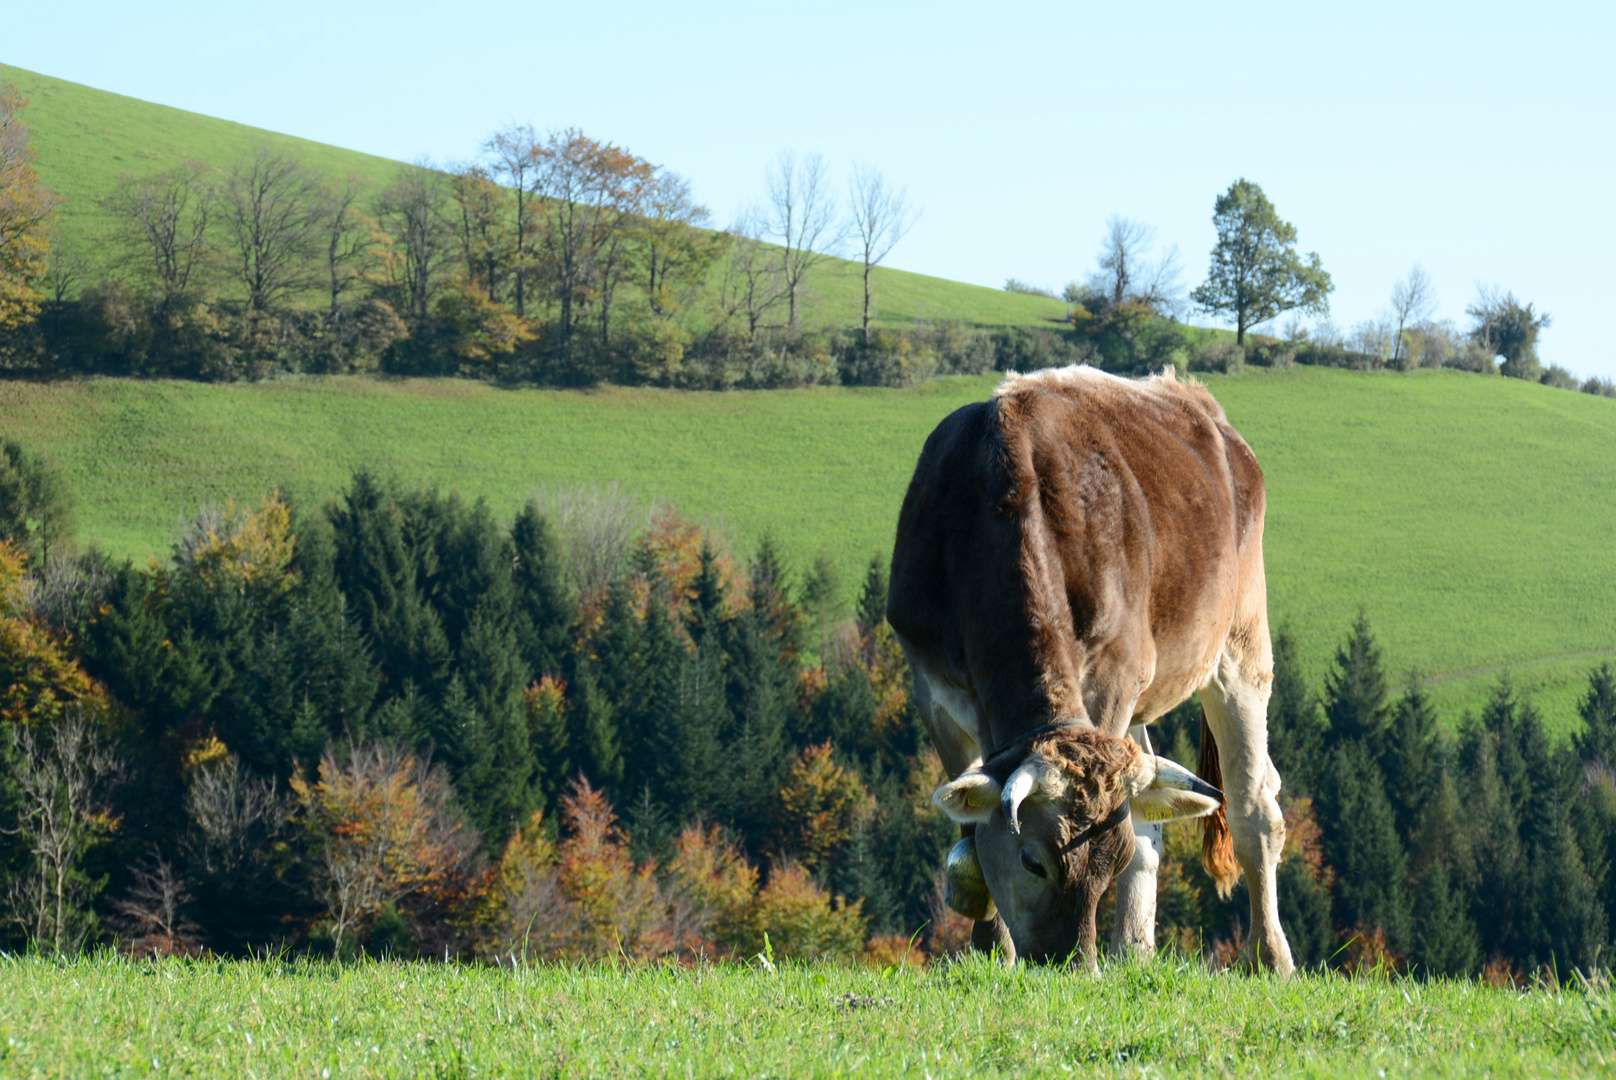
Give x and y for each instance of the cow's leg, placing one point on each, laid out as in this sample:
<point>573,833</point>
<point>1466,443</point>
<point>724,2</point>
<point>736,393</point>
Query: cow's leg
<point>1134,931</point>
<point>1236,703</point>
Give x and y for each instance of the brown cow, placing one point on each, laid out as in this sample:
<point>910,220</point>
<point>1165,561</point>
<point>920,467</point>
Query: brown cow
<point>1074,558</point>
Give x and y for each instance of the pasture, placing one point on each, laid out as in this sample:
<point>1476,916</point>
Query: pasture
<point>99,1015</point>
<point>87,138</point>
<point>1470,517</point>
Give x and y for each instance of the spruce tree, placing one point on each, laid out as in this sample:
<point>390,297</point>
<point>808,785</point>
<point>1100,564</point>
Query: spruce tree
<point>1304,912</point>
<point>1501,891</point>
<point>762,698</point>
<point>1409,758</point>
<point>1596,742</point>
<point>872,601</point>
<point>384,562</point>
<point>694,768</point>
<point>1355,689</point>
<point>592,727</point>
<point>544,609</point>
<point>1571,921</point>
<point>771,596</point>
<point>506,786</point>
<point>1362,845</point>
<point>1445,937</point>
<point>1296,725</point>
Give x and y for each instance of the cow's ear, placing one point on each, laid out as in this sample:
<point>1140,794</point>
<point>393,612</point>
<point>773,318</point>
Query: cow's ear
<point>1163,790</point>
<point>969,799</point>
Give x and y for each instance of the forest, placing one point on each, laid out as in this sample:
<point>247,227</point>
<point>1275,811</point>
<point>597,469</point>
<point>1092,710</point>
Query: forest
<point>400,723</point>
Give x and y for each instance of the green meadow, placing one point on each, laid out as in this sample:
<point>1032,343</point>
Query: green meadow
<point>87,138</point>
<point>100,1016</point>
<point>1470,517</point>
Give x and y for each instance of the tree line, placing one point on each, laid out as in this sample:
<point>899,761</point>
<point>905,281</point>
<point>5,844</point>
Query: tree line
<point>397,722</point>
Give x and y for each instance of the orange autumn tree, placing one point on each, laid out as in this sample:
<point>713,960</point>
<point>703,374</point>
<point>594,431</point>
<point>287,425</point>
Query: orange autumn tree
<point>385,831</point>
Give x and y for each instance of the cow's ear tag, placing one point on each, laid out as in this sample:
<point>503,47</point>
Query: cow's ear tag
<point>969,799</point>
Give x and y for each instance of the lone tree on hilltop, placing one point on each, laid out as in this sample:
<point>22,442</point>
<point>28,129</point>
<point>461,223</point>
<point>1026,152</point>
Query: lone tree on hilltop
<point>1508,328</point>
<point>1256,274</point>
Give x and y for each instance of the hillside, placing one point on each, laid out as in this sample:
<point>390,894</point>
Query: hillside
<point>1470,517</point>
<point>86,138</point>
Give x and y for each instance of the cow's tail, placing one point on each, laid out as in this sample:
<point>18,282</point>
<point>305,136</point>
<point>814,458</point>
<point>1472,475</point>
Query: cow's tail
<point>1217,846</point>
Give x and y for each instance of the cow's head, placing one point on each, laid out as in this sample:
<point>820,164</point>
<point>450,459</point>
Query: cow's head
<point>1052,830</point>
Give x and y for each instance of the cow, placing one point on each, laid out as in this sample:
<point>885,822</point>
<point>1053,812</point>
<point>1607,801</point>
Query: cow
<point>1074,558</point>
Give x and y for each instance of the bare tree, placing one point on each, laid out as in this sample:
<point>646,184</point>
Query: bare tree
<point>163,224</point>
<point>753,283</point>
<point>1413,300</point>
<point>272,208</point>
<point>152,911</point>
<point>350,237</point>
<point>1126,272</point>
<point>802,220</point>
<point>1121,253</point>
<point>517,160</point>
<point>234,816</point>
<point>596,527</point>
<point>62,781</point>
<point>411,211</point>
<point>881,217</point>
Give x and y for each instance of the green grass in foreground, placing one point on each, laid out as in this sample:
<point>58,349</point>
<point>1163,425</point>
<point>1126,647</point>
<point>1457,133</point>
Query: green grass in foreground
<point>104,1016</point>
<point>1472,518</point>
<point>87,138</point>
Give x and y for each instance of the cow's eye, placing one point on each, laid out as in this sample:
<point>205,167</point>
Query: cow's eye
<point>1033,865</point>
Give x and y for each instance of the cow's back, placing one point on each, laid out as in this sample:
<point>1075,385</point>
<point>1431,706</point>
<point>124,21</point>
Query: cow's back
<point>1077,541</point>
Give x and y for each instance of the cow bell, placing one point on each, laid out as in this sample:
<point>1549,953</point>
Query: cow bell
<point>964,888</point>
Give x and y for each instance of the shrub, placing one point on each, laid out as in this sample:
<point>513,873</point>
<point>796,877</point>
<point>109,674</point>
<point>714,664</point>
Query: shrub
<point>802,920</point>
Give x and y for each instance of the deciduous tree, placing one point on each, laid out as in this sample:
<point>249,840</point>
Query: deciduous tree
<point>26,205</point>
<point>802,219</point>
<point>1256,274</point>
<point>882,216</point>
<point>271,207</point>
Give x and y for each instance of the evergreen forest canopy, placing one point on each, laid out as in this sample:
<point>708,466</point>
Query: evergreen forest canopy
<point>563,260</point>
<point>397,723</point>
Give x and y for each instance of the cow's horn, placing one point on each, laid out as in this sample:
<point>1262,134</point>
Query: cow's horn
<point>1170,774</point>
<point>1016,789</point>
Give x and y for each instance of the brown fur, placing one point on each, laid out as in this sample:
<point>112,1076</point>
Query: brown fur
<point>1217,845</point>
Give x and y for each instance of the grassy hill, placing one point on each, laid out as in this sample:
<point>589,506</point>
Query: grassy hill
<point>1470,517</point>
<point>86,138</point>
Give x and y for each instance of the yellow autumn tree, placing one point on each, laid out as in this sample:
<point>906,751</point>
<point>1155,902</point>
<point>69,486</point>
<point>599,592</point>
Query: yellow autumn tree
<point>25,206</point>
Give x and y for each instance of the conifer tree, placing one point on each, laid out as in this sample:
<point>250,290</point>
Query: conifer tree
<point>1445,938</point>
<point>872,602</point>
<point>1596,742</point>
<point>1409,758</point>
<point>761,701</point>
<point>1570,920</point>
<point>593,726</point>
<point>1296,725</point>
<point>1362,845</point>
<point>502,787</point>
<point>771,596</point>
<point>382,563</point>
<point>1355,689</point>
<point>1501,888</point>
<point>544,610</point>
<point>694,768</point>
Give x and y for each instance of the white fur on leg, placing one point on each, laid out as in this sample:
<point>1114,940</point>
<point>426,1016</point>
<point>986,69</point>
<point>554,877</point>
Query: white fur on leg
<point>1134,931</point>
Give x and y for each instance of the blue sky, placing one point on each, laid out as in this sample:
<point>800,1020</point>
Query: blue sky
<point>1476,139</point>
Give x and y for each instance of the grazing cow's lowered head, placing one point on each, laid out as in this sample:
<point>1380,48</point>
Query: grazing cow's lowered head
<point>1053,828</point>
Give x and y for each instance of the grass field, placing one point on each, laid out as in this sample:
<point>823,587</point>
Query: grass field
<point>106,1017</point>
<point>1472,518</point>
<point>86,138</point>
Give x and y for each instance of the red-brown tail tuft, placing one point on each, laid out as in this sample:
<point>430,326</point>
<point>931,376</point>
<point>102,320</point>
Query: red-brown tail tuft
<point>1217,846</point>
